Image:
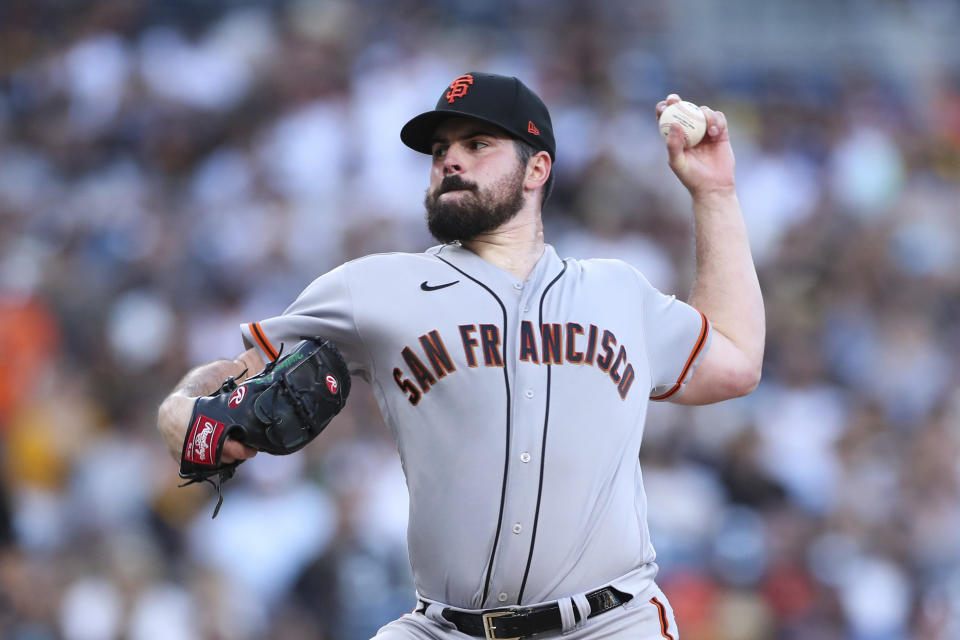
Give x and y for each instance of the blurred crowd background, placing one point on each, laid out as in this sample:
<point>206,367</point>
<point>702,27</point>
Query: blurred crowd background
<point>171,169</point>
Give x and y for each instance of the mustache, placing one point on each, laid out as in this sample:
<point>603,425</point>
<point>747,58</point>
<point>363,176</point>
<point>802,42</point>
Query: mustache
<point>455,183</point>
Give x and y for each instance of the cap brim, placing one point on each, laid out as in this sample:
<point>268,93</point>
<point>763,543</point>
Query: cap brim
<point>419,132</point>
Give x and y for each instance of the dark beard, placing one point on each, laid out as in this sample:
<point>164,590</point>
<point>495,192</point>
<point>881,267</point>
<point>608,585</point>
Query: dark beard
<point>476,212</point>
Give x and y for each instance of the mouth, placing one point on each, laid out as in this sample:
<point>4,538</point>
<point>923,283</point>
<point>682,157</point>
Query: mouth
<point>453,191</point>
<point>454,184</point>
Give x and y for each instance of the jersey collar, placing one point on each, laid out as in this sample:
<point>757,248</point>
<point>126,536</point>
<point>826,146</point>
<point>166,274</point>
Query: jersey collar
<point>547,267</point>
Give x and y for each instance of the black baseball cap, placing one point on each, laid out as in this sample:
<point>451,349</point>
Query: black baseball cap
<point>503,101</point>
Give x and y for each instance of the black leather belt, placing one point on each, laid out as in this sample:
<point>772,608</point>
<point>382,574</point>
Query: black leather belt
<point>514,623</point>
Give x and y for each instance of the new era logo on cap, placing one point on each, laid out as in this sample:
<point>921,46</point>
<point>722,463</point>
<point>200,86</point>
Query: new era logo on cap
<point>532,128</point>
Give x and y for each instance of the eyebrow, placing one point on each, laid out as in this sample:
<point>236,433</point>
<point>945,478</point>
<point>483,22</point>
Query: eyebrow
<point>473,133</point>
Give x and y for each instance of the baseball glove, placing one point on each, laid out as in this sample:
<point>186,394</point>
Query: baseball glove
<point>277,411</point>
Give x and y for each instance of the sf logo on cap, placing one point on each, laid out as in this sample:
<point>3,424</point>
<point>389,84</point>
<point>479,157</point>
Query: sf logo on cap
<point>458,88</point>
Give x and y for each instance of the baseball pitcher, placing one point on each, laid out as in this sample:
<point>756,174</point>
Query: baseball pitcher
<point>515,382</point>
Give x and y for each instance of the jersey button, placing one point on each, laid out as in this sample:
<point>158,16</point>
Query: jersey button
<point>528,393</point>
<point>524,457</point>
<point>517,528</point>
<point>502,597</point>
<point>518,285</point>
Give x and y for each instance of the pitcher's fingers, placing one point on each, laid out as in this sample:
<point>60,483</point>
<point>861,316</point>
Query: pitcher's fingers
<point>709,115</point>
<point>721,123</point>
<point>675,146</point>
<point>234,450</point>
<point>671,99</point>
<point>712,123</point>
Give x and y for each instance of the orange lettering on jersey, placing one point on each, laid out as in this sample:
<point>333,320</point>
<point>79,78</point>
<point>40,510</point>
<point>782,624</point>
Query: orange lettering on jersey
<point>621,358</point>
<point>490,339</point>
<point>573,330</point>
<point>626,381</point>
<point>406,386</point>
<point>555,344</point>
<point>458,88</point>
<point>437,353</point>
<point>591,344</point>
<point>608,343</point>
<point>551,343</point>
<point>528,344</point>
<point>418,369</point>
<point>469,343</point>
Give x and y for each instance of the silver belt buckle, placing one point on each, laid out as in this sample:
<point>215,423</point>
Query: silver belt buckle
<point>489,628</point>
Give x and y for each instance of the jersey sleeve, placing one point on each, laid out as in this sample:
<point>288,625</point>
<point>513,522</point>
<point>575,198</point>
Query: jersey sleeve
<point>677,336</point>
<point>324,309</point>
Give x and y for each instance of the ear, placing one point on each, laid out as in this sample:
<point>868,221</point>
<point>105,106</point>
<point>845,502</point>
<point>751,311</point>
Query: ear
<point>539,167</point>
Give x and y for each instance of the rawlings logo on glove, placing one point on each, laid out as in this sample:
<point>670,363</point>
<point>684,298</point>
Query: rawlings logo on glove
<point>277,411</point>
<point>237,397</point>
<point>200,439</point>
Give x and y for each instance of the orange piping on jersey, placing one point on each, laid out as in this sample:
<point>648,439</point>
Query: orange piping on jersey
<point>693,356</point>
<point>260,337</point>
<point>664,623</point>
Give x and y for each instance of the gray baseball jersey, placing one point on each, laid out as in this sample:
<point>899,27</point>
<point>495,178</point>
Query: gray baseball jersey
<point>518,410</point>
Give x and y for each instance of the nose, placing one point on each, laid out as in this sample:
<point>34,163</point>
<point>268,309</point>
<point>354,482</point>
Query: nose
<point>451,162</point>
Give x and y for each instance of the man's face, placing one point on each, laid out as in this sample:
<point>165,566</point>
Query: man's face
<point>476,181</point>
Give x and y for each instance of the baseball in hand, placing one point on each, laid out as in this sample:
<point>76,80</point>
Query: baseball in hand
<point>690,118</point>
